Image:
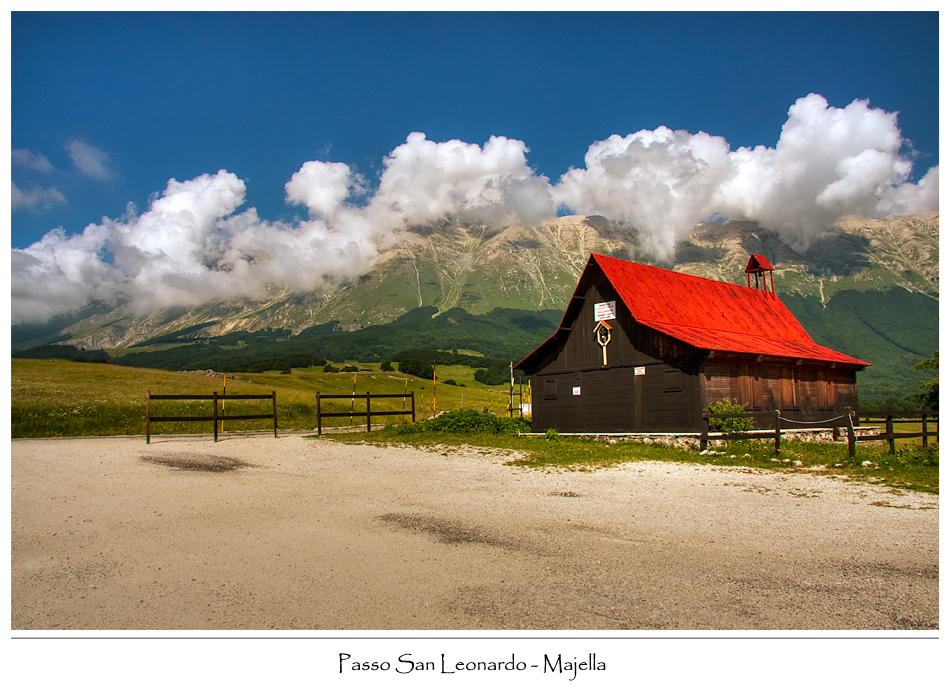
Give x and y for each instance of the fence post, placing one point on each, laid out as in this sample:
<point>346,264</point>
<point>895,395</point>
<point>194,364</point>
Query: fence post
<point>319,417</point>
<point>836,430</point>
<point>413,398</point>
<point>704,436</point>
<point>215,401</point>
<point>148,417</point>
<point>274,402</point>
<point>369,426</point>
<point>890,432</point>
<point>852,440</point>
<point>778,431</point>
<point>923,421</point>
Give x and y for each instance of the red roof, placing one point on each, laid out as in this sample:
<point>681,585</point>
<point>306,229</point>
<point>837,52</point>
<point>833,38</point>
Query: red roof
<point>711,315</point>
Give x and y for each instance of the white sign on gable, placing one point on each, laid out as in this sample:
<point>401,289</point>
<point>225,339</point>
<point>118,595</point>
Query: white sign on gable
<point>605,311</point>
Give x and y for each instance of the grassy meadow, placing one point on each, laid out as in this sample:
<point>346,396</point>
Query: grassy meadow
<point>59,398</point>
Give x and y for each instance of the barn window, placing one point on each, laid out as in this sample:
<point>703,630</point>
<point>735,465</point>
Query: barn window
<point>550,389</point>
<point>672,382</point>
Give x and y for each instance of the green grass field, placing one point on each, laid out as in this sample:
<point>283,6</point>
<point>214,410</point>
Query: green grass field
<point>59,398</point>
<point>908,427</point>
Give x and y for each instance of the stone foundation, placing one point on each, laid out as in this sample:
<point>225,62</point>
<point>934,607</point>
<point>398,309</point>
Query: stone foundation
<point>691,441</point>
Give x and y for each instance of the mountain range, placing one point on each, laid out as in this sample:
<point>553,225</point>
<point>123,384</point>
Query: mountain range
<point>866,287</point>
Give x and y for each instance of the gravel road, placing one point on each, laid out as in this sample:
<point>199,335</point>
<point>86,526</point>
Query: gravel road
<point>255,532</point>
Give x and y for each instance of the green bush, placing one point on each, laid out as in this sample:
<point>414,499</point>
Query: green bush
<point>732,425</point>
<point>472,422</point>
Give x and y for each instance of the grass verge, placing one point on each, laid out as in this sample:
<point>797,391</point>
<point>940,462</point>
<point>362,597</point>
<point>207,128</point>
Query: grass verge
<point>911,468</point>
<point>51,398</point>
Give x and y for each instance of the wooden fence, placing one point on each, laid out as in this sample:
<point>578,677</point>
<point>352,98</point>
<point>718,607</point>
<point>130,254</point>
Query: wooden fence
<point>843,422</point>
<point>890,435</point>
<point>772,434</point>
<point>215,417</point>
<point>369,414</point>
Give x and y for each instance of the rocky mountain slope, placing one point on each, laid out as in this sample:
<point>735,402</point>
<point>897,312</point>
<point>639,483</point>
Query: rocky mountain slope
<point>536,268</point>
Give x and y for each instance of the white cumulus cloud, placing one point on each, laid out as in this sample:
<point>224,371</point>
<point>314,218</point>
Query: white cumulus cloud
<point>829,162</point>
<point>194,245</point>
<point>322,187</point>
<point>424,181</point>
<point>661,181</point>
<point>188,248</point>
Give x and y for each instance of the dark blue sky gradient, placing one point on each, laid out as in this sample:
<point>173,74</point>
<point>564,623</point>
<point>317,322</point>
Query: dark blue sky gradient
<point>178,95</point>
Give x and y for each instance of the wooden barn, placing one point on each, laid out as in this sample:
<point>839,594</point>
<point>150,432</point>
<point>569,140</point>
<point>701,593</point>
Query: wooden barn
<point>644,349</point>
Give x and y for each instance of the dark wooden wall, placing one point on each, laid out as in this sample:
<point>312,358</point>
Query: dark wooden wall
<point>664,397</point>
<point>631,343</point>
<point>617,399</point>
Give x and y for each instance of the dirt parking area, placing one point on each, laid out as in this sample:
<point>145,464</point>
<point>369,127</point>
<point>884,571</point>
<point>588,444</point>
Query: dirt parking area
<point>258,533</point>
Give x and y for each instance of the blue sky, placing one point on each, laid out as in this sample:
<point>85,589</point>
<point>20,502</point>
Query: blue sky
<point>166,158</point>
<point>169,95</point>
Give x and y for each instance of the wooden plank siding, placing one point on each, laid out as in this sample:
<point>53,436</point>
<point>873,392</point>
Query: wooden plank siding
<point>802,393</point>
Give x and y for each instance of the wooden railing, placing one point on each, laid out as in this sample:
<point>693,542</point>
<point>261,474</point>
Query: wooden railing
<point>890,435</point>
<point>843,422</point>
<point>369,413</point>
<point>772,434</point>
<point>216,415</point>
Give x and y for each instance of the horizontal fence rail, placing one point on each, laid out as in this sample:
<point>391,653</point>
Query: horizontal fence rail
<point>216,415</point>
<point>844,422</point>
<point>772,434</point>
<point>890,435</point>
<point>369,413</point>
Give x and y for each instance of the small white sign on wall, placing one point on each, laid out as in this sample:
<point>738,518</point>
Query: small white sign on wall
<point>577,390</point>
<point>639,371</point>
<point>605,311</point>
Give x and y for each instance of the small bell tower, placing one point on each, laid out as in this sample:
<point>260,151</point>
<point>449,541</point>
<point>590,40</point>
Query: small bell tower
<point>758,265</point>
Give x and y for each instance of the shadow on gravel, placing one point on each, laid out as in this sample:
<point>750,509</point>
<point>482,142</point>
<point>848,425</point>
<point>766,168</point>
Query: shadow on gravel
<point>447,531</point>
<point>197,463</point>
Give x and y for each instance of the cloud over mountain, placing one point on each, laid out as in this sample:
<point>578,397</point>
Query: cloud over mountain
<point>192,245</point>
<point>828,163</point>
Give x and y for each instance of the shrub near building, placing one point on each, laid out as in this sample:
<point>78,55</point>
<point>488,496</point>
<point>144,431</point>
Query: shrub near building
<point>732,425</point>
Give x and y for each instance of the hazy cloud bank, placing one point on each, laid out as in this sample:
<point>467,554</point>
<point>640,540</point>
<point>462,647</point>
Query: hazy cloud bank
<point>192,246</point>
